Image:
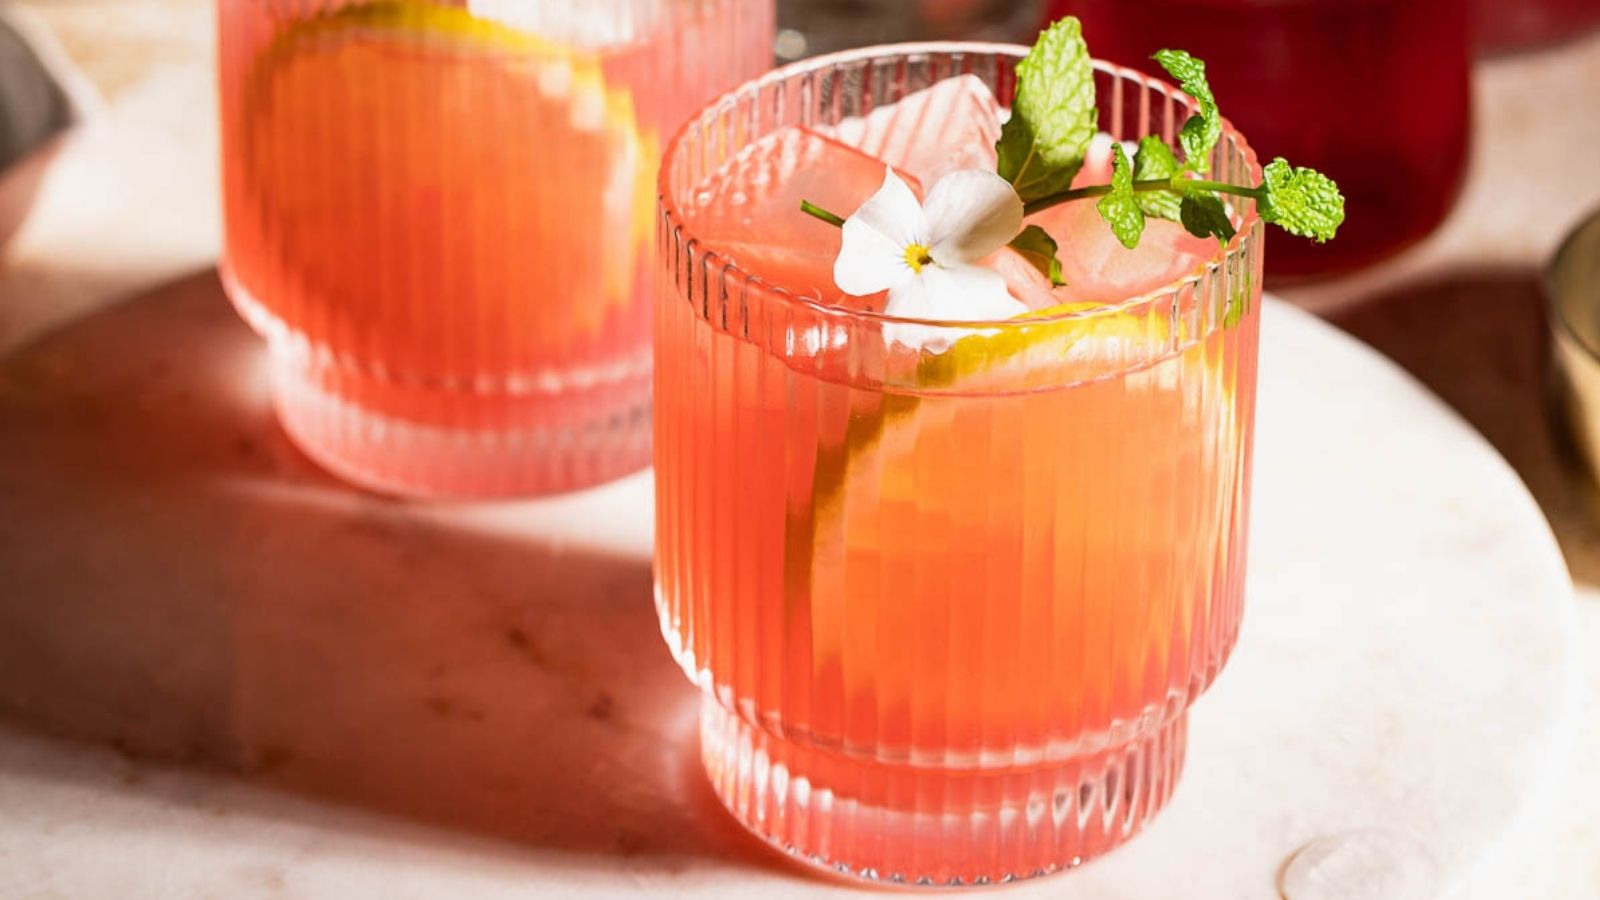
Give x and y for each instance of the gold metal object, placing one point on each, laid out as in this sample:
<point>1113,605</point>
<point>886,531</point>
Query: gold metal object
<point>1572,290</point>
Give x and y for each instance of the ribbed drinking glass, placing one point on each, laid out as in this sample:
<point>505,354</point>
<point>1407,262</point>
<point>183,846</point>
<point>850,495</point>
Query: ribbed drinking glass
<point>440,215</point>
<point>949,608</point>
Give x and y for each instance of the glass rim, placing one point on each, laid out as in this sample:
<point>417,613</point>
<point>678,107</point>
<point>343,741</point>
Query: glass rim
<point>1249,227</point>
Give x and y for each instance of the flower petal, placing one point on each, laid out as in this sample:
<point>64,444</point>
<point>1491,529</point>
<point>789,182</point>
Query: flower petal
<point>970,214</point>
<point>959,293</point>
<point>979,294</point>
<point>868,261</point>
<point>872,248</point>
<point>912,299</point>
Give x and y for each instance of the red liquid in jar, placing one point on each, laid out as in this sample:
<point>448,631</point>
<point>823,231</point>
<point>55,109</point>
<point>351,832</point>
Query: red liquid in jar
<point>1374,93</point>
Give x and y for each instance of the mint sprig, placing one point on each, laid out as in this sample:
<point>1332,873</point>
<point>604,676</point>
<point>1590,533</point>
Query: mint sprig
<point>1202,130</point>
<point>1203,215</point>
<point>1120,207</point>
<point>1300,201</point>
<point>1053,115</point>
<point>1153,161</point>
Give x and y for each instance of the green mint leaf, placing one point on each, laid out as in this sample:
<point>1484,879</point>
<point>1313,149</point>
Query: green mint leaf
<point>1153,160</point>
<point>1300,201</point>
<point>1121,206</point>
<point>1053,116</point>
<point>1201,132</point>
<point>1204,215</point>
<point>1039,248</point>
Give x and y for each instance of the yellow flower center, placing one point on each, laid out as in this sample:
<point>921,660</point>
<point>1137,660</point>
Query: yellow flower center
<point>917,257</point>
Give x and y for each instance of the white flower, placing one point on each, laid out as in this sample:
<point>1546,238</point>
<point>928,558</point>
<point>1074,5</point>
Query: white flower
<point>925,255</point>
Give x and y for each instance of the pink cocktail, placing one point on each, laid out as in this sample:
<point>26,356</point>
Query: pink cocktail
<point>949,587</point>
<point>440,216</point>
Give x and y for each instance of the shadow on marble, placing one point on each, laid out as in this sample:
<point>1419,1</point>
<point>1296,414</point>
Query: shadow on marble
<point>1479,340</point>
<point>180,582</point>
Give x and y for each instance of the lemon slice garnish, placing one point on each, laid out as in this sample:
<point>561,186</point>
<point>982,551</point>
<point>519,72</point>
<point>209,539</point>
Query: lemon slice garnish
<point>1020,355</point>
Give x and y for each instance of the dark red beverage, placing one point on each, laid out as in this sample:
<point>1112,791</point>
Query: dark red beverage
<point>1374,93</point>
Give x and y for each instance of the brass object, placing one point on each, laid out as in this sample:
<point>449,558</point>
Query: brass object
<point>1572,290</point>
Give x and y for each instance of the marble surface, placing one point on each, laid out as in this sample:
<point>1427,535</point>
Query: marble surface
<point>354,693</point>
<point>204,793</point>
<point>1463,313</point>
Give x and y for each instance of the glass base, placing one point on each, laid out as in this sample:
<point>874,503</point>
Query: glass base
<point>920,825</point>
<point>472,444</point>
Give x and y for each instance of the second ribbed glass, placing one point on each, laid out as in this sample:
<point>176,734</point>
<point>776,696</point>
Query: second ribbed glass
<point>948,618</point>
<point>440,216</point>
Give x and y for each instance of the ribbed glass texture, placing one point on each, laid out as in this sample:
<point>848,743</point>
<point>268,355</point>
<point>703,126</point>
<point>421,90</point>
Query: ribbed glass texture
<point>948,616</point>
<point>440,215</point>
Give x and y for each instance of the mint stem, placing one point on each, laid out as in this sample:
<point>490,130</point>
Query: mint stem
<point>811,209</point>
<point>1178,185</point>
<point>1222,187</point>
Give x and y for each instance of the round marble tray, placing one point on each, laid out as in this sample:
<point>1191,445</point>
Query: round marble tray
<point>428,701</point>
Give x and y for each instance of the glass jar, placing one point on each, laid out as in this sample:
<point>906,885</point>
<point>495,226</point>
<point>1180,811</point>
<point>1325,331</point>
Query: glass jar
<point>1374,93</point>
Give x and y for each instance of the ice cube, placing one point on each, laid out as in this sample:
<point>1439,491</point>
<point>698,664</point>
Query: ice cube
<point>750,210</point>
<point>1024,280</point>
<point>1096,267</point>
<point>950,126</point>
<point>1099,269</point>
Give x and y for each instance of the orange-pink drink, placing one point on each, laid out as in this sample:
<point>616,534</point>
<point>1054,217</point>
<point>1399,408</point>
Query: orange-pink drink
<point>950,588</point>
<point>440,216</point>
